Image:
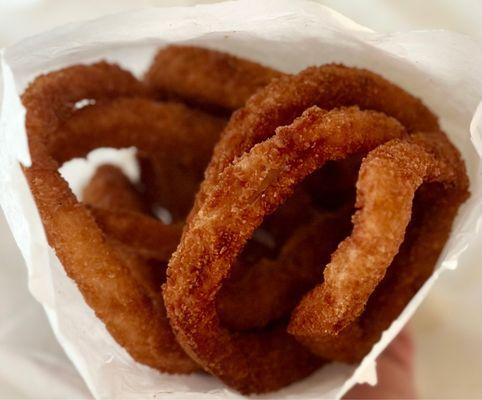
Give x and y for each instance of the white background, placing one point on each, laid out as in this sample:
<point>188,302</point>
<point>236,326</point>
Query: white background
<point>447,328</point>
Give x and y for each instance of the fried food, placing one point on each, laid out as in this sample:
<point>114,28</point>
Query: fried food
<point>275,286</point>
<point>122,213</point>
<point>110,189</point>
<point>247,190</point>
<point>426,235</point>
<point>325,204</point>
<point>252,172</point>
<point>145,234</point>
<point>260,294</point>
<point>133,319</point>
<point>143,243</point>
<point>327,86</point>
<point>388,180</point>
<point>170,135</point>
<point>175,140</point>
<point>206,78</point>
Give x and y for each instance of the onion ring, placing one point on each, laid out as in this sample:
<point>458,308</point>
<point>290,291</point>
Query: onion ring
<point>206,78</point>
<point>388,180</point>
<point>219,81</point>
<point>215,235</point>
<point>327,86</point>
<point>409,188</point>
<point>136,323</point>
<point>209,79</point>
<point>121,212</point>
<point>147,235</point>
<point>276,285</point>
<point>426,235</point>
<point>268,290</point>
<point>186,73</point>
<point>110,189</point>
<point>140,241</point>
<point>176,140</point>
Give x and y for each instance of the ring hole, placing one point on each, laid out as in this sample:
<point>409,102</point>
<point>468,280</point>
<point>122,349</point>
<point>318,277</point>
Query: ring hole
<point>79,171</point>
<point>286,255</point>
<point>83,103</point>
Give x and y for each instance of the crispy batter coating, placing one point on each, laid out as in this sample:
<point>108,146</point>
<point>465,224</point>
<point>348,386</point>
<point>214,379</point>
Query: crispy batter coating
<point>263,294</point>
<point>140,241</point>
<point>426,235</point>
<point>168,75</point>
<point>273,206</point>
<point>247,190</point>
<point>145,244</point>
<point>144,234</point>
<point>206,78</point>
<point>148,272</point>
<point>174,140</point>
<point>327,86</point>
<point>134,320</point>
<point>110,189</point>
<point>236,195</point>
<point>388,180</point>
<point>171,129</point>
<point>267,291</point>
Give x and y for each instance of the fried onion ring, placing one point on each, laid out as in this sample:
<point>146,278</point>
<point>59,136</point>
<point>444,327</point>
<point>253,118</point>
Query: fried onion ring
<point>177,142</point>
<point>327,86</point>
<point>276,285</point>
<point>120,210</point>
<point>388,180</point>
<point>206,78</point>
<point>426,235</point>
<point>250,188</point>
<point>209,79</point>
<point>140,241</point>
<point>136,323</point>
<point>268,290</point>
<point>110,189</point>
<point>239,265</point>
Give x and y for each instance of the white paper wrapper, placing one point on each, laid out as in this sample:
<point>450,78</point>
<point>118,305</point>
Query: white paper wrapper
<point>442,68</point>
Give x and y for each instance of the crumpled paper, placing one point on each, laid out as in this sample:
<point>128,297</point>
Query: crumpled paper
<point>442,68</point>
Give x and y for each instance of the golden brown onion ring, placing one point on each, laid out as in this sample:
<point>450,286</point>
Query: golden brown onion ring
<point>206,78</point>
<point>327,86</point>
<point>247,190</point>
<point>137,323</point>
<point>260,294</point>
<point>176,140</point>
<point>110,189</point>
<point>388,180</point>
<point>264,291</point>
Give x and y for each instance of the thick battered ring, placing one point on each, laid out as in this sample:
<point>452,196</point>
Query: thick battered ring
<point>174,140</point>
<point>282,135</point>
<point>264,291</point>
<point>388,180</point>
<point>327,86</point>
<point>206,78</point>
<point>133,319</point>
<point>247,190</point>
